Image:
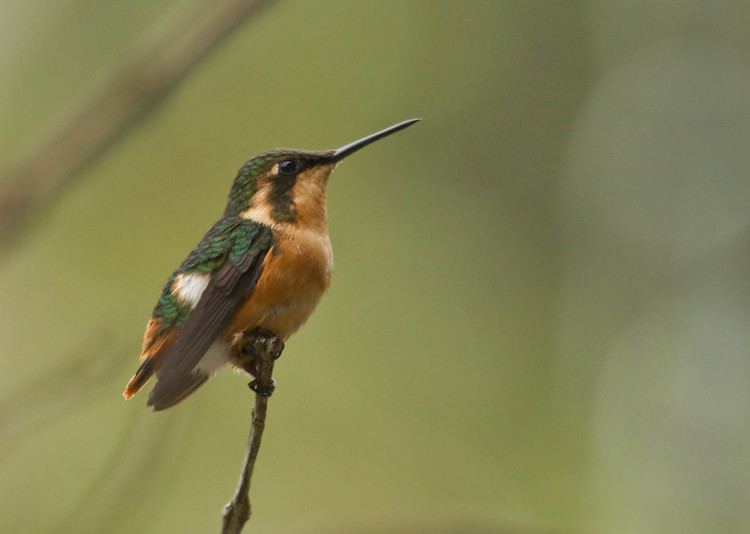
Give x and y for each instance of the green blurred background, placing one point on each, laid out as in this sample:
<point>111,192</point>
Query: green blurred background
<point>539,318</point>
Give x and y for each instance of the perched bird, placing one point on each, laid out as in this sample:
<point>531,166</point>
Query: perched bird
<point>263,265</point>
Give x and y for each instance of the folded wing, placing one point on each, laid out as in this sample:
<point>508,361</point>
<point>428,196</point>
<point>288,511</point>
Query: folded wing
<point>231,255</point>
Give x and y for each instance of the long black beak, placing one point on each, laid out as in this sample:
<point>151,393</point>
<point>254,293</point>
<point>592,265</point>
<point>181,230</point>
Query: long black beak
<point>351,148</point>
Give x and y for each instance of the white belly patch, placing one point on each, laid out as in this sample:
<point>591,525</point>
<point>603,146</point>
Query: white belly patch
<point>216,357</point>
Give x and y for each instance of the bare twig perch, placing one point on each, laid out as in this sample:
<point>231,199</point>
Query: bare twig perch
<point>110,114</point>
<point>265,350</point>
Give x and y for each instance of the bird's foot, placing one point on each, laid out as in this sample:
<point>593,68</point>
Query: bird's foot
<point>257,346</point>
<point>261,341</point>
<point>264,390</point>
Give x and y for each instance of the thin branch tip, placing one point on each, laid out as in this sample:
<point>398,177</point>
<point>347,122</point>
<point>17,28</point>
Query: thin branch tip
<point>265,349</point>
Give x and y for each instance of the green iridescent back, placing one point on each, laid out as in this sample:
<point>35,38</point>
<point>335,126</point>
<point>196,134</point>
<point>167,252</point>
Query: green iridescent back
<point>230,239</point>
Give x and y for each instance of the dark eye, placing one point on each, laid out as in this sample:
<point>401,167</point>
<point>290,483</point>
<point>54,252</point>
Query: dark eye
<point>288,166</point>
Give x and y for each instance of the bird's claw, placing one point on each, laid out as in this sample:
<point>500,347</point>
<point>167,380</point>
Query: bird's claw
<point>264,341</point>
<point>264,390</point>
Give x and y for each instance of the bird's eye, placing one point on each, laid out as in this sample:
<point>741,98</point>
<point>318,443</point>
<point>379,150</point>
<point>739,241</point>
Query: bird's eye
<point>288,166</point>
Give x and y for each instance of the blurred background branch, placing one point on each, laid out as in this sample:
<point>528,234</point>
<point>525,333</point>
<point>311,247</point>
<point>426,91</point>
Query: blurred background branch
<point>115,110</point>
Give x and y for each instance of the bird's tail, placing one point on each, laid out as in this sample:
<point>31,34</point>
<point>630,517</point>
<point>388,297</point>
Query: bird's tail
<point>172,387</point>
<point>139,379</point>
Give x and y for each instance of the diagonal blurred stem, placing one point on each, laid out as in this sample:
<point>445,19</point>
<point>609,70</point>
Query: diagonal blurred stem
<point>60,392</point>
<point>115,110</point>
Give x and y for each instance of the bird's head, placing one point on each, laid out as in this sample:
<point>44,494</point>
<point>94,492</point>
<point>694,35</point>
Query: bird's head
<point>287,186</point>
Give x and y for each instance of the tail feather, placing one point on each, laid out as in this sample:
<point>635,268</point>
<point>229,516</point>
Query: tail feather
<point>173,387</point>
<point>139,379</point>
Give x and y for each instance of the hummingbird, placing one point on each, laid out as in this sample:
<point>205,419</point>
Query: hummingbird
<point>264,265</point>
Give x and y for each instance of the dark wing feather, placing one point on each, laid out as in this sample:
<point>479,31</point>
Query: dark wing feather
<point>225,293</point>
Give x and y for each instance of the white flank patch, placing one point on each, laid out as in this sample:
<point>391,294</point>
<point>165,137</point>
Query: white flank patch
<point>214,359</point>
<point>190,287</point>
